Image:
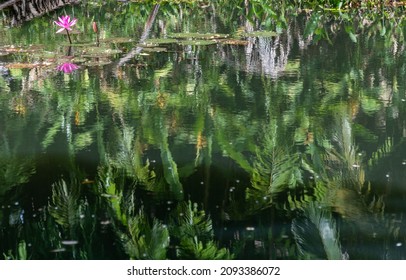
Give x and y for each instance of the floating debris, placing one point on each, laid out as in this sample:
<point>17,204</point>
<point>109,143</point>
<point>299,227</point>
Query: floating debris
<point>69,242</point>
<point>59,250</point>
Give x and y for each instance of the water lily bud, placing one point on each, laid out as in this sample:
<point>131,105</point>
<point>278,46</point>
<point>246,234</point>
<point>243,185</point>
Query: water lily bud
<point>95,27</point>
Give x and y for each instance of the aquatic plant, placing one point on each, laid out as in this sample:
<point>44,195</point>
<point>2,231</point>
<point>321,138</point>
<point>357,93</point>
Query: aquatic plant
<point>65,23</point>
<point>67,67</point>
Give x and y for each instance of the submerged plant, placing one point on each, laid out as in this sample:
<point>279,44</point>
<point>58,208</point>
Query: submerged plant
<point>65,23</point>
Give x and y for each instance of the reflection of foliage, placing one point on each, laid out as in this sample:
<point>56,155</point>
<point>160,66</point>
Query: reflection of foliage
<point>316,234</point>
<point>194,230</point>
<point>298,131</point>
<point>146,241</point>
<point>65,201</point>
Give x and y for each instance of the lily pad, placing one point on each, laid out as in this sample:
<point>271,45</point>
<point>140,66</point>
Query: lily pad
<point>260,34</point>
<point>197,42</point>
<point>205,36</point>
<point>44,55</point>
<point>154,49</point>
<point>99,51</point>
<point>79,60</point>
<point>79,44</point>
<point>234,42</point>
<point>24,65</point>
<point>161,41</point>
<point>117,40</point>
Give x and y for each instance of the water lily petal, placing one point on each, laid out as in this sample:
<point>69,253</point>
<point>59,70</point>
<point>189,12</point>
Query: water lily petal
<point>73,22</point>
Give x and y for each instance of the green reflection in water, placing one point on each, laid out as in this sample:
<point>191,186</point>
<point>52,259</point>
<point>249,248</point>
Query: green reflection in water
<point>275,145</point>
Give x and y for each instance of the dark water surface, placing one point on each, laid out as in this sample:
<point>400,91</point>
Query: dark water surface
<point>234,144</point>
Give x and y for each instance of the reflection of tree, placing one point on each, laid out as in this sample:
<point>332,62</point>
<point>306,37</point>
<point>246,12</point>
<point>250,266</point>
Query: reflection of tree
<point>171,124</point>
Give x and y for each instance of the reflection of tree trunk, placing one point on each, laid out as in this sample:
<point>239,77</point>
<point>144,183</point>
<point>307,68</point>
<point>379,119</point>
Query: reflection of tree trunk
<point>144,36</point>
<point>24,10</point>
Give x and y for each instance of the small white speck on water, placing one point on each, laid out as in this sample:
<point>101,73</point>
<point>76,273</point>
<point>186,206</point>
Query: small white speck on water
<point>356,165</point>
<point>399,244</point>
<point>387,175</point>
<point>201,183</point>
<point>250,228</point>
<point>404,162</point>
<point>237,181</point>
<point>58,250</point>
<point>69,242</point>
<point>81,216</point>
<point>16,203</point>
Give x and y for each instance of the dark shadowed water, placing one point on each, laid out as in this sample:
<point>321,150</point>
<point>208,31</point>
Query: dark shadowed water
<point>194,132</point>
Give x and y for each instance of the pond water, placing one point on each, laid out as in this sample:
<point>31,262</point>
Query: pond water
<point>198,132</point>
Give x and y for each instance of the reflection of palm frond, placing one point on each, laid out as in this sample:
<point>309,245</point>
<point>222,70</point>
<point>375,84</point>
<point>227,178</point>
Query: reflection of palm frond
<point>275,173</point>
<point>146,241</point>
<point>195,232</point>
<point>383,151</point>
<point>14,169</point>
<point>129,157</point>
<point>316,234</point>
<point>65,202</point>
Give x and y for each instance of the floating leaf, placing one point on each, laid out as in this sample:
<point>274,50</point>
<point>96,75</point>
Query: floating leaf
<point>80,44</point>
<point>234,42</point>
<point>99,51</point>
<point>205,36</point>
<point>197,42</point>
<point>154,49</point>
<point>117,40</point>
<point>161,41</point>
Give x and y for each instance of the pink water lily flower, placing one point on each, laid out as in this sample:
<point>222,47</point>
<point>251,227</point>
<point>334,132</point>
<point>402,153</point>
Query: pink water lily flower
<point>65,23</point>
<point>67,67</point>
